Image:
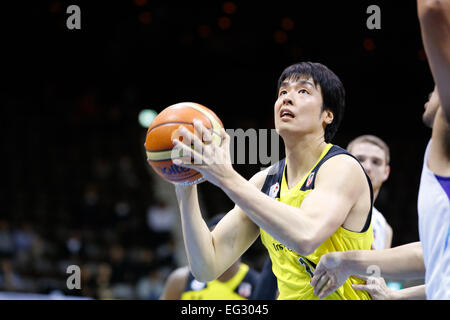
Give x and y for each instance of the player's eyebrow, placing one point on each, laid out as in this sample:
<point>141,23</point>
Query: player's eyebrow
<point>301,82</point>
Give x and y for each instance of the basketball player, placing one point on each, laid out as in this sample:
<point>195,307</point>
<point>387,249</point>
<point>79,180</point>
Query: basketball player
<point>316,200</point>
<point>373,153</point>
<point>430,256</point>
<point>236,283</point>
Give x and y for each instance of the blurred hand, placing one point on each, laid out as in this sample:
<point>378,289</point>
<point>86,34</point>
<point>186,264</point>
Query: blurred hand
<point>376,287</point>
<point>330,274</point>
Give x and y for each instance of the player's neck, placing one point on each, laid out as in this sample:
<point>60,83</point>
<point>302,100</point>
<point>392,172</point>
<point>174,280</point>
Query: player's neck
<point>375,194</point>
<point>301,155</point>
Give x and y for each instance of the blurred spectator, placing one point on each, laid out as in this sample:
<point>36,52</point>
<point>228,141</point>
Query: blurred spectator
<point>150,286</point>
<point>9,279</point>
<point>6,240</point>
<point>104,287</point>
<point>160,220</point>
<point>23,238</point>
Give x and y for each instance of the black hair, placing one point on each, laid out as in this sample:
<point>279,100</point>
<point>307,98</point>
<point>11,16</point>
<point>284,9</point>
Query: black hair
<point>333,92</point>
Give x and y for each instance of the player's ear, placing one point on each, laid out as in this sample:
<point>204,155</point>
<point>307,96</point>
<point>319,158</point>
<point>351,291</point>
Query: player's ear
<point>329,116</point>
<point>387,171</point>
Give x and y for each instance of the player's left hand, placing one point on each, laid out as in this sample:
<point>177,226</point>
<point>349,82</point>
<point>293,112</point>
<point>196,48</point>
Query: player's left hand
<point>211,160</point>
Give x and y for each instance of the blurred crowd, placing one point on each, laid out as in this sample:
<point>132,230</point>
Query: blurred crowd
<point>86,199</point>
<point>116,262</point>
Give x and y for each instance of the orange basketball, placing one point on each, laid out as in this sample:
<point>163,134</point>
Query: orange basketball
<point>159,145</point>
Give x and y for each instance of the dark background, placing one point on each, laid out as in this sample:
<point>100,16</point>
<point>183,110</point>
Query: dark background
<point>72,145</point>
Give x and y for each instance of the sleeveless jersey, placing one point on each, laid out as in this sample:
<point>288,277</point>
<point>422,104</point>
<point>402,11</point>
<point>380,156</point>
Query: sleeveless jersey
<point>293,271</point>
<point>379,230</point>
<point>434,230</point>
<point>239,287</point>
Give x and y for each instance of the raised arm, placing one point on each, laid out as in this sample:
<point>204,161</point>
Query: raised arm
<point>434,17</point>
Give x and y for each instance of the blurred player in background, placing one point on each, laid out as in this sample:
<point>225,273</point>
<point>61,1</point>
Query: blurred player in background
<point>316,200</point>
<point>430,256</point>
<point>237,283</point>
<point>266,288</point>
<point>373,153</point>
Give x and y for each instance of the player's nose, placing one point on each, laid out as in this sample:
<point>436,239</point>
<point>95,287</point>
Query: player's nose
<point>287,101</point>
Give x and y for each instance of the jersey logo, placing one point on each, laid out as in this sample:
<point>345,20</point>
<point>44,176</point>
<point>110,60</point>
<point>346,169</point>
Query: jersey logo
<point>310,179</point>
<point>197,285</point>
<point>274,190</point>
<point>245,289</point>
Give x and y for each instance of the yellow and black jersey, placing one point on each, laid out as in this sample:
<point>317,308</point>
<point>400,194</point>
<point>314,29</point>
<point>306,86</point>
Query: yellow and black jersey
<point>240,287</point>
<point>293,271</point>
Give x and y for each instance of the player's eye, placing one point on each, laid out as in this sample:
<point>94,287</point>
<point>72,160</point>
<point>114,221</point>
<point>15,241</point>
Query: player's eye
<point>303,91</point>
<point>376,162</point>
<point>282,92</point>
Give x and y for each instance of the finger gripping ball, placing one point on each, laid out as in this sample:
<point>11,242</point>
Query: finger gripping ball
<point>162,130</point>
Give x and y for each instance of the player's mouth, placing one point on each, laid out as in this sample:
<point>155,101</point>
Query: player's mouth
<point>286,114</point>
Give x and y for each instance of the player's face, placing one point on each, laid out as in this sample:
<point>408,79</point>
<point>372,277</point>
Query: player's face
<point>373,159</point>
<point>431,108</point>
<point>298,108</point>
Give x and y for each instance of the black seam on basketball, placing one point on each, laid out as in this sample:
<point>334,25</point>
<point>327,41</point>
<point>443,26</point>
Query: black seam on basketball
<point>210,122</point>
<point>172,122</point>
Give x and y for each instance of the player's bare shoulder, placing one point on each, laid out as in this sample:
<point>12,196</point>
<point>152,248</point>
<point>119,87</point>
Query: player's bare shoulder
<point>344,169</point>
<point>343,176</point>
<point>175,284</point>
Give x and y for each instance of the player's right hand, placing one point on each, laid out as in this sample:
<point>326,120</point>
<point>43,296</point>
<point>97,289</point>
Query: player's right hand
<point>329,275</point>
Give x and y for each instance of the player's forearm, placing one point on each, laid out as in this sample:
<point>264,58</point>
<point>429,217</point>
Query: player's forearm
<point>412,293</point>
<point>197,236</point>
<point>403,262</point>
<point>279,219</point>
<point>434,17</point>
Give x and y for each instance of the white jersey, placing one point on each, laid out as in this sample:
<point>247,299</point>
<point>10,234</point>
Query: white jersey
<point>434,226</point>
<point>379,230</point>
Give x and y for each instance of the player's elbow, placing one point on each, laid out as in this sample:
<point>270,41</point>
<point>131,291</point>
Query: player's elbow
<point>306,246</point>
<point>305,251</point>
<point>430,9</point>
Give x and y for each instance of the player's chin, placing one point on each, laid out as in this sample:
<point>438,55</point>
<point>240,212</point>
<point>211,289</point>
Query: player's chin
<point>428,118</point>
<point>287,129</point>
